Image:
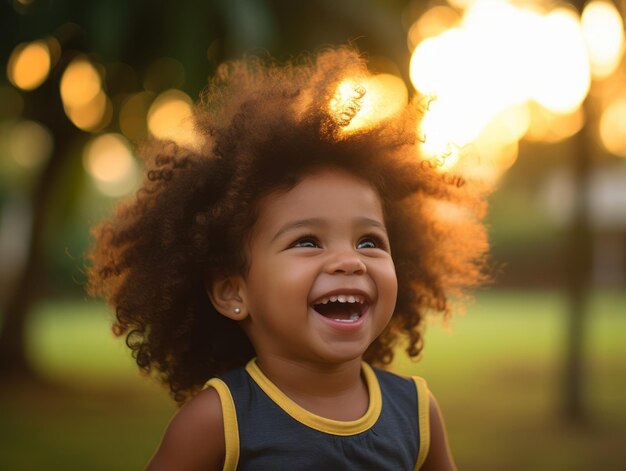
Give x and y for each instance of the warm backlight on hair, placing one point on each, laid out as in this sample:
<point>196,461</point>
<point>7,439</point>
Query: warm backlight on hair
<point>108,159</point>
<point>29,65</point>
<point>170,117</point>
<point>361,103</point>
<point>444,126</point>
<point>612,129</point>
<point>603,31</point>
<point>488,68</point>
<point>348,101</point>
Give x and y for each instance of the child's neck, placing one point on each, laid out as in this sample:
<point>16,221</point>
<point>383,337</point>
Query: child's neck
<point>335,392</point>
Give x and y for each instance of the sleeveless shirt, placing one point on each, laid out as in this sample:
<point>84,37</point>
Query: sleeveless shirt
<point>265,430</point>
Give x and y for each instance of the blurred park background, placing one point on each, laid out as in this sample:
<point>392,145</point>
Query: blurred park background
<point>529,96</point>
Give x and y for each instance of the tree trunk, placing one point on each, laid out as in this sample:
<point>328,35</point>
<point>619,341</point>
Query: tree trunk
<point>43,105</point>
<point>579,270</point>
<point>14,360</point>
<point>579,279</point>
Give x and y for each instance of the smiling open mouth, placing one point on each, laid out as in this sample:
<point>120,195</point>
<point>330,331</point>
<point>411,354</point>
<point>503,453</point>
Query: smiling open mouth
<point>341,308</point>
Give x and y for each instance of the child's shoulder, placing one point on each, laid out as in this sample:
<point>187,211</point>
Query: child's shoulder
<point>194,439</point>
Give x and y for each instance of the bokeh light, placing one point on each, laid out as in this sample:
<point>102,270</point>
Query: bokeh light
<point>94,115</point>
<point>80,83</point>
<point>603,31</point>
<point>85,102</point>
<point>170,117</point>
<point>547,126</point>
<point>432,23</point>
<point>29,144</point>
<point>462,4</point>
<point>29,65</point>
<point>109,161</point>
<point>612,128</point>
<point>54,46</point>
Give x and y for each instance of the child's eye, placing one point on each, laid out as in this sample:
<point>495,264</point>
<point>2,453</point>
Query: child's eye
<point>307,242</point>
<point>371,242</point>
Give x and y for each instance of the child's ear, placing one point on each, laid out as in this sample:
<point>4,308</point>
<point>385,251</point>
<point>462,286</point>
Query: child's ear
<point>227,297</point>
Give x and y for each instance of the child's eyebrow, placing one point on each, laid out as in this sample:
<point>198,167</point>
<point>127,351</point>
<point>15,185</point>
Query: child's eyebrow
<point>366,222</point>
<point>290,226</point>
<point>318,222</point>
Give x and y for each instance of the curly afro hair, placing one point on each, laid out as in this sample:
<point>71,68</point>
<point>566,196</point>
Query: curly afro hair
<point>263,127</point>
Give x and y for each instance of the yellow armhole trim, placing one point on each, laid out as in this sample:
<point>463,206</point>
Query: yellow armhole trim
<point>231,428</point>
<point>423,408</point>
<point>322,424</point>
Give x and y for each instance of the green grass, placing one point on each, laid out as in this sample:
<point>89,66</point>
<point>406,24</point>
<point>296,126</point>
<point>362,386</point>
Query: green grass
<point>496,372</point>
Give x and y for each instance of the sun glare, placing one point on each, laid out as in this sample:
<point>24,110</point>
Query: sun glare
<point>563,75</point>
<point>499,71</point>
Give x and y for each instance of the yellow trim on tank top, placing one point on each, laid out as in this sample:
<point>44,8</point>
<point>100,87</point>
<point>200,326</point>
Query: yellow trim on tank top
<point>231,427</point>
<point>322,424</point>
<point>423,408</point>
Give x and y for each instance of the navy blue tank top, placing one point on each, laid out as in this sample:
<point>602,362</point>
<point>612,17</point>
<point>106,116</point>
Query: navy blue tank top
<point>265,430</point>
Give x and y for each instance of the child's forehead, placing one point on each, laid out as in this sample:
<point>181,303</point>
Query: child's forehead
<point>326,194</point>
<point>318,183</point>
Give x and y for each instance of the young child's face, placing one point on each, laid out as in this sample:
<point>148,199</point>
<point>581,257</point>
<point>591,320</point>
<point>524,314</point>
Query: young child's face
<point>321,284</point>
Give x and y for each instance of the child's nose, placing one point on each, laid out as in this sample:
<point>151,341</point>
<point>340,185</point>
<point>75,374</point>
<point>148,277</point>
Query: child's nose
<point>346,262</point>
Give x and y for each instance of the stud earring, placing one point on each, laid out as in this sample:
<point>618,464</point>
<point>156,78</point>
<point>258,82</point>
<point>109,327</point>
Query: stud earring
<point>237,310</point>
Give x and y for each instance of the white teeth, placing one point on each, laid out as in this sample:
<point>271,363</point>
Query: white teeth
<point>355,316</point>
<point>342,299</point>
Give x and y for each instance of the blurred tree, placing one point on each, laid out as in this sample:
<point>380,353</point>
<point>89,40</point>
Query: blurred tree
<point>42,105</point>
<point>579,272</point>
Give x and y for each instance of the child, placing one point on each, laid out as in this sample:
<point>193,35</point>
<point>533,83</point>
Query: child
<point>279,260</point>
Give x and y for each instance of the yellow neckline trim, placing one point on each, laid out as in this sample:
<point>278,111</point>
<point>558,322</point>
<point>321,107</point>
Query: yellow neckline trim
<point>322,424</point>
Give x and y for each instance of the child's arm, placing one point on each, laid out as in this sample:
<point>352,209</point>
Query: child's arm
<point>194,439</point>
<point>439,457</point>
